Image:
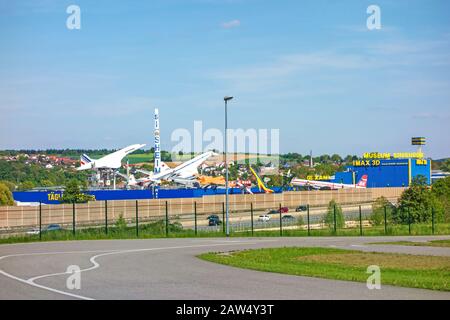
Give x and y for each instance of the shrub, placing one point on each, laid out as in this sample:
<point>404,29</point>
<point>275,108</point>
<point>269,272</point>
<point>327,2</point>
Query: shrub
<point>73,194</point>
<point>300,221</point>
<point>6,197</point>
<point>417,202</point>
<point>378,207</point>
<point>329,217</point>
<point>11,186</point>
<point>441,190</point>
<point>121,223</point>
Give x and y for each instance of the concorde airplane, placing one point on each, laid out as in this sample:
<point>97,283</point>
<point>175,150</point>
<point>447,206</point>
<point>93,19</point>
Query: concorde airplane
<point>362,184</point>
<point>110,161</point>
<point>183,174</point>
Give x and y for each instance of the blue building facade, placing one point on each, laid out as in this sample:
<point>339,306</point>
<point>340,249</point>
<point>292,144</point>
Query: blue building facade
<point>54,197</point>
<point>386,172</point>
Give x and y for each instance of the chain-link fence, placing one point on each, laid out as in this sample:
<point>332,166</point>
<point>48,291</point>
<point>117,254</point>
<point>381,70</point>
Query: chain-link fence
<point>145,219</point>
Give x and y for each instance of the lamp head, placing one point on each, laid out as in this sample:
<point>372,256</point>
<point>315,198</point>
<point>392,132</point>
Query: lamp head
<point>227,98</point>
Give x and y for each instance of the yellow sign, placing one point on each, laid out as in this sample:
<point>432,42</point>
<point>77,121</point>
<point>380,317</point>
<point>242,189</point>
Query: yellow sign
<point>318,177</point>
<point>397,155</point>
<point>54,196</point>
<point>366,163</point>
<point>421,162</point>
<point>376,155</point>
<point>57,197</point>
<point>405,155</point>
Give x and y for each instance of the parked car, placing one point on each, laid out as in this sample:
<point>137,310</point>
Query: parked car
<point>301,208</point>
<point>33,231</point>
<point>264,218</point>
<point>214,220</point>
<point>277,211</point>
<point>284,209</point>
<point>53,227</point>
<point>288,218</point>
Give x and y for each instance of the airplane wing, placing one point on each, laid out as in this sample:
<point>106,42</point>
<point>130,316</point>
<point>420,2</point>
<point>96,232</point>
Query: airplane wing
<point>182,173</point>
<point>114,160</point>
<point>189,168</point>
<point>148,173</point>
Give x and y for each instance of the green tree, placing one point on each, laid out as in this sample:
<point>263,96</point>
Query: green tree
<point>329,217</point>
<point>325,169</point>
<point>445,166</point>
<point>441,190</point>
<point>275,180</point>
<point>377,217</point>
<point>121,223</point>
<point>26,185</point>
<point>6,197</point>
<point>233,171</point>
<point>417,202</point>
<point>348,159</point>
<point>11,186</point>
<point>73,194</point>
<point>336,158</point>
<point>47,183</point>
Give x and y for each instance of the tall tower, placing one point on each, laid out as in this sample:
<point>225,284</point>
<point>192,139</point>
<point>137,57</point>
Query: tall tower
<point>157,168</point>
<point>311,162</point>
<point>419,142</point>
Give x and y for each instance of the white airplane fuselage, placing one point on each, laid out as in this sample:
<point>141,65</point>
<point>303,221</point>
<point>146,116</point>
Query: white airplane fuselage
<point>333,186</point>
<point>110,161</point>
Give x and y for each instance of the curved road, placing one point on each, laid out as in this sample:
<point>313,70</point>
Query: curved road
<point>169,269</point>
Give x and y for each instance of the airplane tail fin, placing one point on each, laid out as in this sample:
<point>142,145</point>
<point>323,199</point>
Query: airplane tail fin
<point>260,183</point>
<point>84,159</point>
<point>363,182</point>
<point>164,167</point>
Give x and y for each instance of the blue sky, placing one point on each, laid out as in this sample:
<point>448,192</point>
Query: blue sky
<point>309,68</point>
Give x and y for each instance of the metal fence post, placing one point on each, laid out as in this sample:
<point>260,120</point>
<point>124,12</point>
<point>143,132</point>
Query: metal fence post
<point>195,216</point>
<point>40,220</point>
<point>360,222</point>
<point>335,222</point>
<point>223,217</point>
<point>409,221</point>
<point>73,218</point>
<point>385,219</point>
<point>307,214</point>
<point>137,218</point>
<point>167,219</point>
<point>251,212</point>
<point>432,220</point>
<point>281,223</point>
<point>106,216</point>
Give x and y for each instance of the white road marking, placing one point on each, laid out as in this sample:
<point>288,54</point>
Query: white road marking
<point>96,265</point>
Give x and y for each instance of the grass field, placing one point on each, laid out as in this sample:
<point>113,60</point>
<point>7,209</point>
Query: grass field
<point>434,243</point>
<point>145,231</point>
<point>391,230</point>
<point>424,272</point>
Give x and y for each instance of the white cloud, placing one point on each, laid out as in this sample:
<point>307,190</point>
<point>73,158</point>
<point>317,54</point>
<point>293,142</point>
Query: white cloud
<point>231,24</point>
<point>284,67</point>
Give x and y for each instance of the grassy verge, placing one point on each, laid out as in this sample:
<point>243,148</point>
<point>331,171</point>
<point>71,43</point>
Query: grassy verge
<point>396,269</point>
<point>391,230</point>
<point>146,231</point>
<point>157,230</point>
<point>434,243</point>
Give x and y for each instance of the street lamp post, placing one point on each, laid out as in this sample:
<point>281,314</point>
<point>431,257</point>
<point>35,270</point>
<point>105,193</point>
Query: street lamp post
<point>226,99</point>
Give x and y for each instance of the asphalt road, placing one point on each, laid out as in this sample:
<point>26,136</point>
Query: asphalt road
<point>241,221</point>
<point>169,269</point>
